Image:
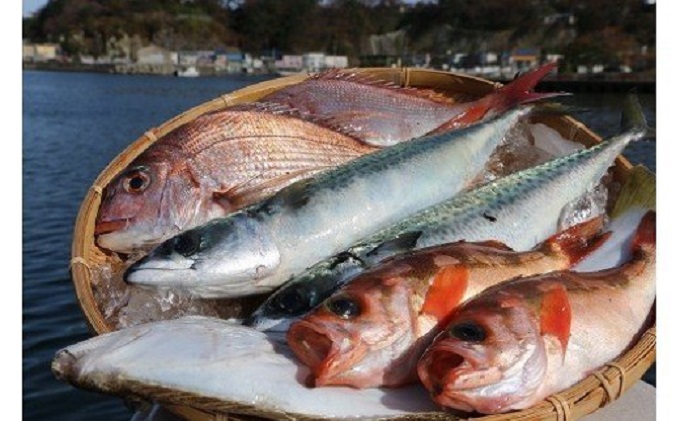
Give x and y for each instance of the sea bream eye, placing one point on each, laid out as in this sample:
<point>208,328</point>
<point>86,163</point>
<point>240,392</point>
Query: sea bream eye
<point>136,180</point>
<point>344,307</point>
<point>468,331</point>
<point>187,244</point>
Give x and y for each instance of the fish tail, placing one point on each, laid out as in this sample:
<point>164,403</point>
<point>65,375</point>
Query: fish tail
<point>520,90</point>
<point>580,240</point>
<point>645,235</point>
<point>639,191</point>
<point>633,118</point>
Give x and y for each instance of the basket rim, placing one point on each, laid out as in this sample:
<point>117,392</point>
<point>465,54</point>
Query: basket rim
<point>600,388</point>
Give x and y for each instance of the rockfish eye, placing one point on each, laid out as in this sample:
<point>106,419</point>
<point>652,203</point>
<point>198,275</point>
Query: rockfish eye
<point>468,331</point>
<point>344,307</point>
<point>136,180</point>
<point>187,244</point>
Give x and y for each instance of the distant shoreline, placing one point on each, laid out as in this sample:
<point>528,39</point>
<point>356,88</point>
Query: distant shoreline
<point>602,82</point>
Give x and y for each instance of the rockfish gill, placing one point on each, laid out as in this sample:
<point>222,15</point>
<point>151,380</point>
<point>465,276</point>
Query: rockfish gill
<point>383,114</point>
<point>519,210</point>
<point>521,341</point>
<point>372,332</point>
<point>260,247</point>
<point>226,160</point>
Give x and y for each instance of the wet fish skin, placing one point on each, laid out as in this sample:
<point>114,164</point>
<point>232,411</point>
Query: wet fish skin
<point>372,331</point>
<point>220,162</point>
<point>519,210</point>
<point>318,217</point>
<point>384,114</point>
<point>523,340</point>
<point>226,160</point>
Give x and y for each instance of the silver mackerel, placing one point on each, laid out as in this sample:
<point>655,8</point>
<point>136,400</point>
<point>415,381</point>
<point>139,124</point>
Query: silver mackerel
<point>519,210</point>
<point>261,247</point>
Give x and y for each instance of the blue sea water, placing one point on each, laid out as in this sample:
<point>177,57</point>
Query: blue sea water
<point>74,124</point>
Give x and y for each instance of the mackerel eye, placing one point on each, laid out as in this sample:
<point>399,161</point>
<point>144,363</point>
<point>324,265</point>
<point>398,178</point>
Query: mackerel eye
<point>289,301</point>
<point>187,244</point>
<point>137,180</point>
<point>343,307</point>
<point>468,331</point>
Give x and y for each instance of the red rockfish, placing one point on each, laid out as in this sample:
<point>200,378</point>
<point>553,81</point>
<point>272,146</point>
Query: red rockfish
<point>523,340</point>
<point>226,160</point>
<point>372,332</point>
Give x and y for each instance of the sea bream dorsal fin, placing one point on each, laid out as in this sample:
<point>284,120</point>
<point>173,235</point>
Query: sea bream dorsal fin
<point>327,122</point>
<point>354,76</point>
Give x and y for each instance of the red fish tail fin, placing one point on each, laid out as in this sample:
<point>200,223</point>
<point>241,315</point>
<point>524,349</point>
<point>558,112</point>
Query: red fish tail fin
<point>520,90</point>
<point>579,241</point>
<point>645,236</point>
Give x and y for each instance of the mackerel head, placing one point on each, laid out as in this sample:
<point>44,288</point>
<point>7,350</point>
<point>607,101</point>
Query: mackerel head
<point>262,246</point>
<point>519,210</point>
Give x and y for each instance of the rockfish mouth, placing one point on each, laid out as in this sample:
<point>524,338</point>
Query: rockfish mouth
<point>312,344</point>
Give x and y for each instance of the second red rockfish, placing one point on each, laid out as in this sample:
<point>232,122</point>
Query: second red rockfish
<point>372,332</point>
<point>521,341</point>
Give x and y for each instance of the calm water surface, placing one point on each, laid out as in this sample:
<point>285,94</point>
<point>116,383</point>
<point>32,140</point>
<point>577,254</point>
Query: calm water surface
<point>74,124</point>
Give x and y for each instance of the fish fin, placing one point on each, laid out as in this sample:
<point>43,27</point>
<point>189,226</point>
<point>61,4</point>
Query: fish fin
<point>639,190</point>
<point>519,91</point>
<point>646,232</point>
<point>249,191</point>
<point>400,244</point>
<point>334,123</point>
<point>579,241</point>
<point>446,292</point>
<point>632,116</point>
<point>495,244</point>
<point>556,315</point>
<point>295,195</point>
<point>349,75</point>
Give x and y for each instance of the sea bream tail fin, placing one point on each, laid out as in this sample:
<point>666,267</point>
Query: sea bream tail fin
<point>519,91</point>
<point>577,242</point>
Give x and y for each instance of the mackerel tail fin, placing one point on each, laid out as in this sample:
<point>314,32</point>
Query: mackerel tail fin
<point>579,241</point>
<point>633,118</point>
<point>638,191</point>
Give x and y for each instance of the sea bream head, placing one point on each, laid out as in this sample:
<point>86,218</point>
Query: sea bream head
<point>224,257</point>
<point>490,356</point>
<point>155,197</point>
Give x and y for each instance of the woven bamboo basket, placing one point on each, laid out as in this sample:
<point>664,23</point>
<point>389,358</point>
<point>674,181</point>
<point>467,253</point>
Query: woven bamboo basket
<point>587,396</point>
